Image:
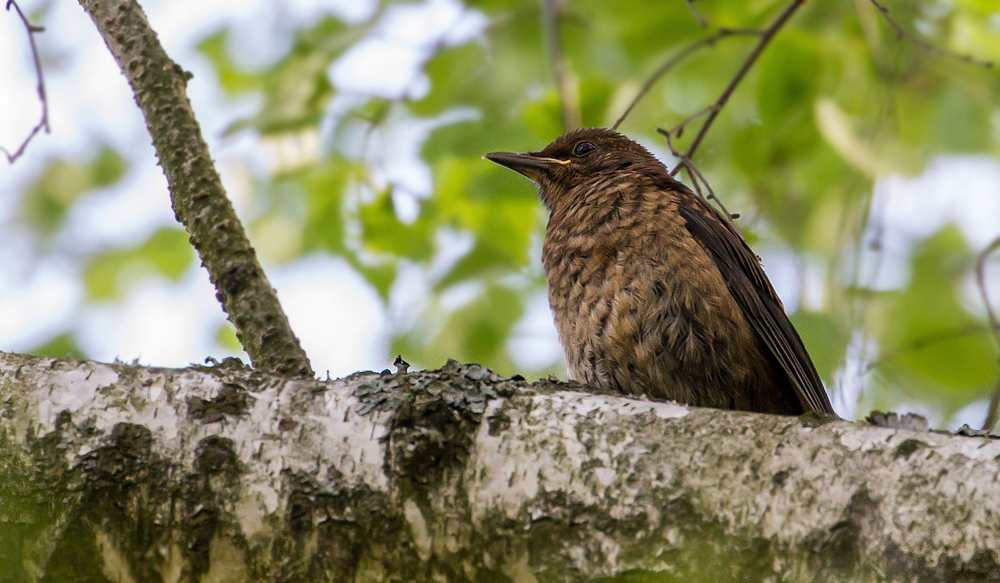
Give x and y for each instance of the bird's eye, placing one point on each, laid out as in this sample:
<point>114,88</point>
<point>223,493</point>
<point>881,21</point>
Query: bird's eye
<point>582,148</point>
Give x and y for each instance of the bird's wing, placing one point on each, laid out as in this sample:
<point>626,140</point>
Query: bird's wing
<point>741,269</point>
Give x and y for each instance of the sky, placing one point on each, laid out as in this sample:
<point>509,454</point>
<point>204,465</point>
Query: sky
<point>339,319</point>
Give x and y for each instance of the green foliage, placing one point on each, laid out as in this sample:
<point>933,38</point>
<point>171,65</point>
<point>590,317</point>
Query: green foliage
<point>383,232</point>
<point>226,337</point>
<point>476,332</point>
<point>108,274</point>
<point>60,346</point>
<point>825,339</point>
<point>46,203</point>
<point>836,101</point>
<point>295,89</point>
<point>323,188</point>
<point>231,77</point>
<point>960,363</point>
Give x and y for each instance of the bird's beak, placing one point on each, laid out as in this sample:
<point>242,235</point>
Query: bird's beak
<point>528,164</point>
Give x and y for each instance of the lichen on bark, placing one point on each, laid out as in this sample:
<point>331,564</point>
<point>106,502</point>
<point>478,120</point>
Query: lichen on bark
<point>127,473</point>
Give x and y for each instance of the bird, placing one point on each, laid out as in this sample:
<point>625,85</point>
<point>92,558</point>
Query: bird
<point>655,292</point>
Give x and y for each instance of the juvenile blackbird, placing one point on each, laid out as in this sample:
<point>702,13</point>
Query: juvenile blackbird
<point>654,292</point>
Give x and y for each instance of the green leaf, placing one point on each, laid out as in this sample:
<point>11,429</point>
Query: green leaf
<point>295,89</point>
<point>788,84</point>
<point>167,253</point>
<point>485,259</point>
<point>826,340</point>
<point>60,346</point>
<point>595,96</point>
<point>474,333</point>
<point>383,232</point>
<point>226,338</point>
<point>323,188</point>
<point>473,196</point>
<point>961,126</point>
<point>380,275</point>
<point>62,183</point>
<point>457,78</point>
<point>543,116</point>
<point>232,78</point>
<point>936,350</point>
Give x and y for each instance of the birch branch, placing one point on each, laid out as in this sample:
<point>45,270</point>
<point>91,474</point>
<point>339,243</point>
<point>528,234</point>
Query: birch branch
<point>196,193</point>
<point>129,473</point>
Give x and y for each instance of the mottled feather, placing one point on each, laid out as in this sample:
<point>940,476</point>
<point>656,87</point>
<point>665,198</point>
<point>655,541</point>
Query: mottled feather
<point>653,291</point>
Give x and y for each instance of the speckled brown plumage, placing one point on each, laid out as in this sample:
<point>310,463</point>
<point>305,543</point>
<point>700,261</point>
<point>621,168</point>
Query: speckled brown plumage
<point>653,291</point>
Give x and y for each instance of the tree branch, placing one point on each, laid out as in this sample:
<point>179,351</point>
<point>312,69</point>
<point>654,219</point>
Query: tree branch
<point>693,172</point>
<point>198,198</point>
<point>569,98</point>
<point>697,15</point>
<point>43,123</point>
<point>462,475</point>
<point>680,56</point>
<point>765,39</point>
<point>902,33</point>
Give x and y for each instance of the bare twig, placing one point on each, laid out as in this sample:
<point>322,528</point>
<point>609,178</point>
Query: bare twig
<point>902,33</point>
<point>569,98</point>
<point>43,123</point>
<point>765,39</point>
<point>696,175</point>
<point>678,129</point>
<point>683,54</point>
<point>197,196</point>
<point>697,15</point>
<point>994,411</point>
<point>682,160</point>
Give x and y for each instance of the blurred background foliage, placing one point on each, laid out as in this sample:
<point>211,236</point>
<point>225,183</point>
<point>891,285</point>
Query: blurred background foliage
<point>836,102</point>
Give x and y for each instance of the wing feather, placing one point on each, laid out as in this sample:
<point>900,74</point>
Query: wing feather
<point>746,279</point>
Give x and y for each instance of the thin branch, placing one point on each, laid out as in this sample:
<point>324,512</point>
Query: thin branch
<point>682,160</point>
<point>765,39</point>
<point>43,123</point>
<point>994,411</point>
<point>197,196</point>
<point>678,129</point>
<point>693,171</point>
<point>680,56</point>
<point>902,33</point>
<point>697,15</point>
<point>569,99</point>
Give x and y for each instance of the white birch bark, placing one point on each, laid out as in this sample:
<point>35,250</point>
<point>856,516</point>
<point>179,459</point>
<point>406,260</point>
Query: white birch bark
<point>128,473</point>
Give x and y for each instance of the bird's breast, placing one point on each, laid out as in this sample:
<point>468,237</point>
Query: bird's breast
<point>638,303</point>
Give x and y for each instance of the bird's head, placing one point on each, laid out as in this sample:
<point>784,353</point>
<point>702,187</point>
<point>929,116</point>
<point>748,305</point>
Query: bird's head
<point>578,158</point>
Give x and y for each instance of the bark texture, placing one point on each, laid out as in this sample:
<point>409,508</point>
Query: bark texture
<point>124,473</point>
<point>196,192</point>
